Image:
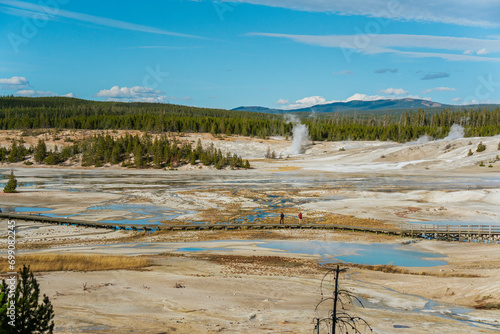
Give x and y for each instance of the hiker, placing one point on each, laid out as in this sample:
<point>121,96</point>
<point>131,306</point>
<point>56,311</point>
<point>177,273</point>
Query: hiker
<point>282,218</point>
<point>300,217</point>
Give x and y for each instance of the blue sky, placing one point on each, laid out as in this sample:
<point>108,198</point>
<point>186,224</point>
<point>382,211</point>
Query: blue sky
<point>295,53</point>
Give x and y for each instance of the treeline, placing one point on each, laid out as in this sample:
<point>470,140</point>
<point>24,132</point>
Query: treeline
<point>68,113</point>
<point>408,126</point>
<point>129,151</point>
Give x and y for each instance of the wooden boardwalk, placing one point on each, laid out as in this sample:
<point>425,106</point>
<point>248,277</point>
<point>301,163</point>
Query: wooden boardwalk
<point>482,233</point>
<point>460,233</point>
<point>192,226</point>
<point>74,222</point>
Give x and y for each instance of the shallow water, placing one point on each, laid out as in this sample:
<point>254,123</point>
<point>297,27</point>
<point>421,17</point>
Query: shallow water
<point>27,209</point>
<point>161,183</point>
<point>99,180</point>
<point>156,213</point>
<point>446,311</point>
<point>333,252</point>
<point>372,254</point>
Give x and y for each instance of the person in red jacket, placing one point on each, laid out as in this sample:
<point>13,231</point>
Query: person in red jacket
<point>282,218</point>
<point>300,217</point>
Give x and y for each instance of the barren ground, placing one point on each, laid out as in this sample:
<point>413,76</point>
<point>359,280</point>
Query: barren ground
<point>253,289</point>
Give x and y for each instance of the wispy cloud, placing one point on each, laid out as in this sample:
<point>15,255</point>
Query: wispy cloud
<point>165,47</point>
<point>439,89</point>
<point>51,12</point>
<point>344,72</point>
<point>483,13</point>
<point>385,70</point>
<point>39,93</point>
<point>433,76</point>
<point>394,91</point>
<point>402,44</point>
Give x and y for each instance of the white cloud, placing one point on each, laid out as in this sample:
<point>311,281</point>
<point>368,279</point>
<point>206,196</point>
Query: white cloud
<point>394,91</point>
<point>133,94</point>
<point>457,99</point>
<point>417,97</point>
<point>14,83</point>
<point>364,97</point>
<point>439,89</point>
<point>481,52</point>
<point>482,13</point>
<point>282,101</point>
<point>307,102</point>
<point>51,12</point>
<point>468,52</point>
<point>396,43</point>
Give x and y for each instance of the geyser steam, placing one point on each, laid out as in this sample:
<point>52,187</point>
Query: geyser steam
<point>456,132</point>
<point>300,139</point>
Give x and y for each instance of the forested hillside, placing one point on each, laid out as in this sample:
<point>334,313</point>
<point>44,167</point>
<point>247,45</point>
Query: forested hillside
<point>70,113</point>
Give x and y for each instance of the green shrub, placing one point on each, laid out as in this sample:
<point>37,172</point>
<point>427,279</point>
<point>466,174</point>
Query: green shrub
<point>51,159</point>
<point>481,147</point>
<point>11,185</point>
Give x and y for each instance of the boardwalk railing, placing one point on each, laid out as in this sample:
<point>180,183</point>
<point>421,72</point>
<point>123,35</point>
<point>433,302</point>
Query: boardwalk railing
<point>74,222</point>
<point>452,232</point>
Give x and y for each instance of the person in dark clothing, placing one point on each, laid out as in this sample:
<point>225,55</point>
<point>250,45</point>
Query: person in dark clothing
<point>282,218</point>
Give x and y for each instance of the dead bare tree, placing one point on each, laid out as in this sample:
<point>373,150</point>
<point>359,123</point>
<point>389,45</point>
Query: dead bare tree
<point>339,321</point>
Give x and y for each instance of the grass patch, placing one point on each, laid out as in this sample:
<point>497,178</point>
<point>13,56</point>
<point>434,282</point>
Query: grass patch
<point>60,262</point>
<point>263,265</point>
<point>485,303</point>
<point>488,306</point>
<point>392,269</point>
<point>271,261</point>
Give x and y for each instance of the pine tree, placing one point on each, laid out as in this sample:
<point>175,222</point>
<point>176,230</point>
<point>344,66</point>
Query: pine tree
<point>138,156</point>
<point>115,154</point>
<point>30,316</point>
<point>17,152</point>
<point>40,151</point>
<point>11,185</point>
<point>481,147</point>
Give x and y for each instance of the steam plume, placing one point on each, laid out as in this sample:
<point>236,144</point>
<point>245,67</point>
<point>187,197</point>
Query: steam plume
<point>456,132</point>
<point>300,135</point>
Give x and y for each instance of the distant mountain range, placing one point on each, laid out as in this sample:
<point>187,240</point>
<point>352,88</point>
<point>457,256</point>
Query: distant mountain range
<point>376,105</point>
